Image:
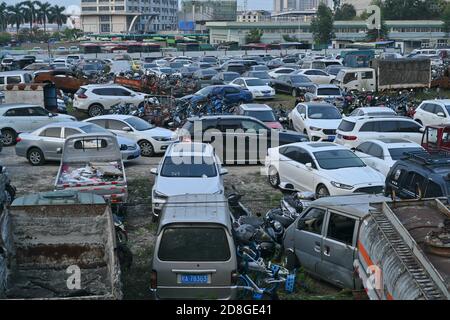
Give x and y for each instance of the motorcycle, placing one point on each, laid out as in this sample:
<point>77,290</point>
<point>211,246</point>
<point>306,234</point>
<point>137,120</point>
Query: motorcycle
<point>10,190</point>
<point>236,207</point>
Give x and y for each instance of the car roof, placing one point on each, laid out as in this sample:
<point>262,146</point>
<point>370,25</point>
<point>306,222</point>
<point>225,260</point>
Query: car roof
<point>189,149</point>
<point>381,109</point>
<point>68,124</point>
<point>18,105</point>
<point>248,78</point>
<point>8,73</point>
<point>378,118</point>
<point>443,101</point>
<point>317,104</point>
<point>393,142</point>
<point>255,107</point>
<point>225,116</point>
<point>317,146</point>
<point>112,116</point>
<point>196,208</point>
<point>103,85</point>
<point>327,86</point>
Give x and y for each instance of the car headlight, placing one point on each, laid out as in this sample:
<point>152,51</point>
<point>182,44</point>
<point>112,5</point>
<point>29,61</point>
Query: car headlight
<point>160,195</point>
<point>315,128</point>
<point>256,91</point>
<point>123,147</point>
<point>341,185</point>
<point>162,138</point>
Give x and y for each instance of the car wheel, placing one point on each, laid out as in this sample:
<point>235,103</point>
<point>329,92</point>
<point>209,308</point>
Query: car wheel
<point>274,177</point>
<point>322,191</point>
<point>10,193</point>
<point>147,149</point>
<point>294,93</point>
<point>96,110</point>
<point>8,137</point>
<point>289,260</point>
<point>36,157</point>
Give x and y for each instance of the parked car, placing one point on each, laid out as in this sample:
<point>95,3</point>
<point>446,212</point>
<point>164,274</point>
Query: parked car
<point>224,77</point>
<point>234,67</point>
<point>324,168</point>
<point>231,93</point>
<point>16,118</point>
<point>433,112</point>
<point>317,76</point>
<point>258,88</point>
<point>318,120</point>
<point>262,112</point>
<point>419,175</point>
<point>91,69</point>
<point>354,130</point>
<point>62,79</point>
<point>37,66</point>
<point>381,154</point>
<point>186,168</point>
<point>45,143</point>
<point>263,75</point>
<point>195,254</point>
<point>259,67</point>
<point>373,112</point>
<point>151,140</point>
<point>160,71</point>
<point>292,84</point>
<point>95,99</point>
<point>250,147</point>
<point>204,74</point>
<point>188,71</point>
<point>275,63</point>
<point>15,77</point>
<point>325,92</point>
<point>276,73</point>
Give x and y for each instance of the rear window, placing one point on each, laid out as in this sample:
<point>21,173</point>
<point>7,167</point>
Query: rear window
<point>346,126</point>
<point>398,153</point>
<point>194,244</point>
<point>328,92</point>
<point>238,69</point>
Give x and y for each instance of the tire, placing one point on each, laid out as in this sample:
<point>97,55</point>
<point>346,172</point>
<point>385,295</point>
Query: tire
<point>147,149</point>
<point>8,137</point>
<point>10,193</point>
<point>322,191</point>
<point>35,157</point>
<point>125,256</point>
<point>96,110</point>
<point>274,177</point>
<point>289,260</point>
<point>294,93</point>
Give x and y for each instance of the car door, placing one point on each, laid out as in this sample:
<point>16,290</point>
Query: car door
<point>230,141</point>
<point>38,117</point>
<point>338,249</point>
<point>298,118</point>
<point>304,177</point>
<point>118,126</point>
<point>377,159</point>
<point>439,116</point>
<point>50,141</point>
<point>106,97</point>
<point>257,140</point>
<point>427,113</point>
<point>410,130</point>
<point>362,151</point>
<point>281,82</point>
<point>308,239</point>
<point>232,94</point>
<point>322,77</point>
<point>286,169</point>
<point>18,119</point>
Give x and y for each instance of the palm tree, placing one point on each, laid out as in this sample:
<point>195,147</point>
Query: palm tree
<point>30,11</point>
<point>44,11</point>
<point>3,16</point>
<point>15,16</point>
<point>57,15</point>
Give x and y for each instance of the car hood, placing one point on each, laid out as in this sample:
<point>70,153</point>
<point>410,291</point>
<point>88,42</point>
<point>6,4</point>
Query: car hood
<point>356,176</point>
<point>159,132</point>
<point>292,136</point>
<point>124,140</point>
<point>260,88</point>
<point>177,186</point>
<point>324,123</point>
<point>64,117</point>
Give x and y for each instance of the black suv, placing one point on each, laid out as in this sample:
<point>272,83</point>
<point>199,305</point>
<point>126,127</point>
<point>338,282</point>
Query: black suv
<point>237,139</point>
<point>419,175</point>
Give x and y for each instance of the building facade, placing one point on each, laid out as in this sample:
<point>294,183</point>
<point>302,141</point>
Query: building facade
<point>122,16</point>
<point>208,10</point>
<point>253,16</point>
<point>298,5</point>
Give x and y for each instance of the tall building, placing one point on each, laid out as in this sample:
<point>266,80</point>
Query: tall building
<point>208,10</point>
<point>299,5</point>
<point>119,16</point>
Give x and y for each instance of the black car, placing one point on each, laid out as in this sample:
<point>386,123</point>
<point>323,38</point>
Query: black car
<point>293,84</point>
<point>419,175</point>
<point>237,139</point>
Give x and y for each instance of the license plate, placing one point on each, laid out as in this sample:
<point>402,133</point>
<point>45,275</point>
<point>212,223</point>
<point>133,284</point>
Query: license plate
<point>331,138</point>
<point>194,278</point>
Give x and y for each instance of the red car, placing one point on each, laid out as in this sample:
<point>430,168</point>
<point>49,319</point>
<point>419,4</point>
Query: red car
<point>262,112</point>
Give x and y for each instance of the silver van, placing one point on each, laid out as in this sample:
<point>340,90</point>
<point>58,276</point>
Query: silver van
<point>194,256</point>
<point>15,77</point>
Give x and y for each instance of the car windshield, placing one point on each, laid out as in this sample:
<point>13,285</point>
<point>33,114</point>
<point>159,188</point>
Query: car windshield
<point>300,79</point>
<point>255,82</point>
<point>189,167</point>
<point>260,74</point>
<point>398,153</point>
<point>328,92</point>
<point>93,128</point>
<point>230,76</point>
<point>208,71</point>
<point>139,124</point>
<point>337,159</point>
<point>264,115</point>
<point>316,112</point>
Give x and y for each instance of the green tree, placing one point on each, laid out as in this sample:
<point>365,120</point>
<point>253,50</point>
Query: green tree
<point>254,36</point>
<point>15,16</point>
<point>446,18</point>
<point>72,34</point>
<point>411,9</point>
<point>3,16</point>
<point>322,25</point>
<point>289,38</point>
<point>345,12</point>
<point>5,38</point>
<point>30,11</point>
<point>57,15</point>
<point>44,12</point>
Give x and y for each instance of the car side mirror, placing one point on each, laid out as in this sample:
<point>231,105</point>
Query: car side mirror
<point>58,150</point>
<point>127,129</point>
<point>441,114</point>
<point>309,166</point>
<point>223,171</point>
<point>422,129</point>
<point>154,171</point>
<point>353,149</point>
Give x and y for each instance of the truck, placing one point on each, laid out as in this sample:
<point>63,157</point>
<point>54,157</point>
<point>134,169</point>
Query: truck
<point>93,163</point>
<point>386,74</point>
<point>58,245</point>
<point>436,138</point>
<point>396,250</point>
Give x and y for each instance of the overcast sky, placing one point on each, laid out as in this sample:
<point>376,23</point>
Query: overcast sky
<point>252,4</point>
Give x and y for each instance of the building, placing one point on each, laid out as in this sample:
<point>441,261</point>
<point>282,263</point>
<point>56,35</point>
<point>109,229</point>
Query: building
<point>123,16</point>
<point>195,13</point>
<point>360,5</point>
<point>411,34</point>
<point>253,16</point>
<point>300,5</point>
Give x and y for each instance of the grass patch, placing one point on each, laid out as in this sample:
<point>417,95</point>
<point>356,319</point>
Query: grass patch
<point>136,280</point>
<point>139,190</point>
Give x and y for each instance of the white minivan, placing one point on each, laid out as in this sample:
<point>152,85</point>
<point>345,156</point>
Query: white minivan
<point>15,77</point>
<point>360,79</point>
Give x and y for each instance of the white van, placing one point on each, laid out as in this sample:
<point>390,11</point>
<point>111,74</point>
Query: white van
<point>15,77</point>
<point>360,79</point>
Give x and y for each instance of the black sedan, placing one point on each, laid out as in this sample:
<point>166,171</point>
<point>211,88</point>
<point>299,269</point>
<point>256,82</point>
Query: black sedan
<point>292,84</point>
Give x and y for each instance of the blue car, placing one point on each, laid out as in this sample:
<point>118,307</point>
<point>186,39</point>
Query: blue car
<point>232,94</point>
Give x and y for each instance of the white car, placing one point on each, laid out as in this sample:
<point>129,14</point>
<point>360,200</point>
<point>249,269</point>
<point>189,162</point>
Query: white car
<point>186,168</point>
<point>318,120</point>
<point>354,130</point>
<point>256,86</point>
<point>16,118</point>
<point>275,73</point>
<point>151,139</point>
<point>161,63</point>
<point>433,112</point>
<point>316,75</point>
<point>95,99</point>
<point>373,112</point>
<point>381,154</point>
<point>324,168</point>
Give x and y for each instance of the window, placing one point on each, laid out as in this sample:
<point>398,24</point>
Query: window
<point>2,80</point>
<point>337,159</point>
<point>229,124</point>
<point>312,221</point>
<point>364,147</point>
<point>99,122</point>
<point>388,126</point>
<point>13,79</point>
<point>37,112</point>
<point>433,190</point>
<point>367,75</point>
<point>341,228</point>
<point>428,107</point>
<point>398,153</point>
<point>432,135</point>
<point>301,109</point>
<point>439,109</point>
<point>189,167</point>
<point>231,90</point>
<point>408,126</point>
<point>51,133</point>
<point>70,132</point>
<point>303,157</point>
<point>248,125</point>
<point>194,244</point>
<point>346,126</point>
<point>104,92</point>
<point>350,77</point>
<point>19,112</point>
<point>122,92</point>
<point>376,151</point>
<point>116,125</point>
<point>413,182</point>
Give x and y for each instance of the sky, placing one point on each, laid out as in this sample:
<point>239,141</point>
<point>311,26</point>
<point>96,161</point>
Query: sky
<point>252,4</point>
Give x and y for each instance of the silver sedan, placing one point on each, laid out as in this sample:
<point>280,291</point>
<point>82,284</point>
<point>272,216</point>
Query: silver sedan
<point>46,142</point>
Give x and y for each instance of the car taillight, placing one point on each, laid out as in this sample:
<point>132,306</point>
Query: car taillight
<point>234,278</point>
<point>154,280</point>
<point>18,139</point>
<point>82,96</point>
<point>349,137</point>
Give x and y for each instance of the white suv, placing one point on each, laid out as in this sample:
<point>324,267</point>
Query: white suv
<point>186,168</point>
<point>95,99</point>
<point>433,112</point>
<point>354,130</point>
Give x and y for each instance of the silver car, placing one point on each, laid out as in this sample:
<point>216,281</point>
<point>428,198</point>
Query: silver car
<point>46,143</point>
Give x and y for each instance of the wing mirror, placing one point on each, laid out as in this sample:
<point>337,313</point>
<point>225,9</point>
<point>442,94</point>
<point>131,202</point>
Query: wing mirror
<point>309,166</point>
<point>127,129</point>
<point>441,114</point>
<point>58,150</point>
<point>154,171</point>
<point>223,171</point>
